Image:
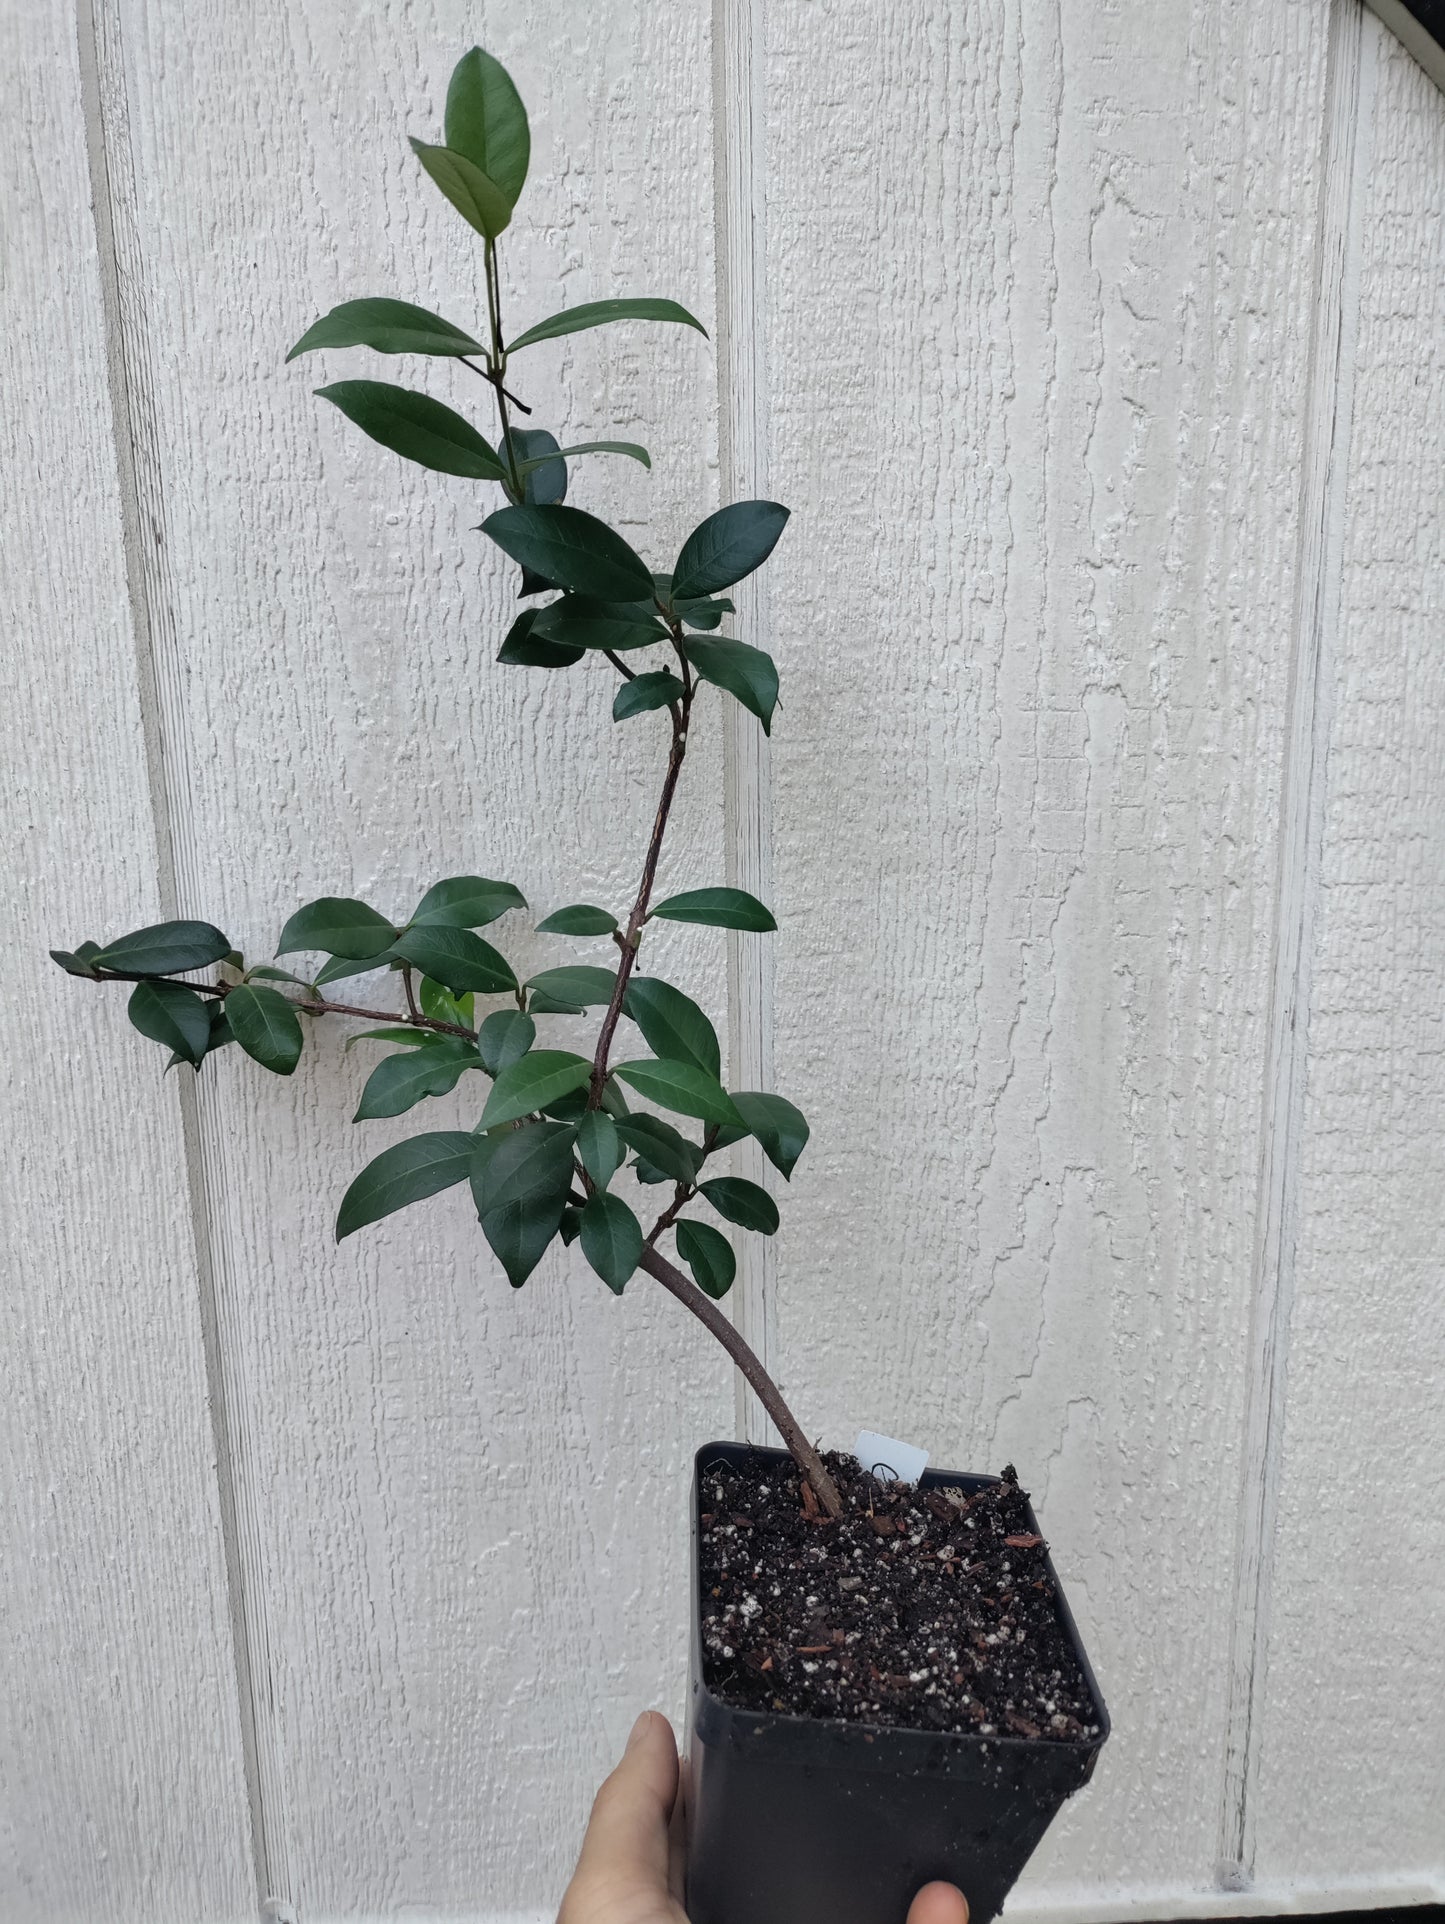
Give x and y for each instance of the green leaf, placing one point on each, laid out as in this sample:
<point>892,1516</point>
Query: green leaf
<point>571,1225</point>
<point>543,471</point>
<point>408,1038</point>
<point>745,672</point>
<point>463,962</point>
<point>658,1143</point>
<point>440,1005</point>
<point>337,926</point>
<point>522,649</point>
<point>416,427</point>
<point>718,908</point>
<point>521,1164</point>
<point>579,984</point>
<point>487,123</point>
<point>776,1124</point>
<point>704,614</point>
<point>404,1174</point>
<point>340,967</point>
<point>742,1202</point>
<point>611,1239</point>
<point>77,963</point>
<point>504,1038</point>
<point>672,1024</point>
<point>569,1108</point>
<point>629,448</point>
<point>465,902</point>
<point>727,546</point>
<point>578,621</point>
<point>391,327</point>
<point>643,692</point>
<point>166,1013</point>
<point>266,1026</point>
<point>520,1233</point>
<point>599,1146</point>
<point>598,313</point>
<point>680,1086</point>
<point>474,194</point>
<point>168,948</point>
<point>263,972</point>
<point>400,1082</point>
<point>540,1077</point>
<point>709,1255</point>
<point>580,919</point>
<point>573,550</point>
<point>541,1004</point>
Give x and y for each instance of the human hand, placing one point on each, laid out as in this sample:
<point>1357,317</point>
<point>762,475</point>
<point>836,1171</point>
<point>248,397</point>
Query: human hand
<point>630,1870</point>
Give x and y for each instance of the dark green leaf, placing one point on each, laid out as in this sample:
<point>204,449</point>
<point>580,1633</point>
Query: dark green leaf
<point>744,672</point>
<point>776,1124</point>
<point>658,1143</point>
<point>598,313</point>
<point>337,926</point>
<point>571,1225</point>
<point>487,123</point>
<point>579,621</point>
<point>599,1146</point>
<point>679,1086</point>
<point>727,546</point>
<point>400,1082</point>
<point>569,1108</point>
<point>543,472</point>
<point>742,1202</point>
<point>709,1255</point>
<point>578,984</point>
<point>572,549</point>
<point>629,448</point>
<point>466,902</point>
<point>391,327</point>
<point>672,1024</point>
<point>614,1102</point>
<point>219,1037</point>
<point>475,195</point>
<point>521,1164</point>
<point>504,1038</point>
<point>76,963</point>
<point>263,972</point>
<point>725,1137</point>
<point>178,1017</point>
<point>416,427</point>
<point>643,692</point>
<point>540,1077</point>
<point>520,1232</point>
<point>523,649</point>
<point>542,1004</point>
<point>440,1005</point>
<point>340,967</point>
<point>580,919</point>
<point>169,948</point>
<point>457,958</point>
<point>611,1239</point>
<point>407,1038</point>
<point>719,908</point>
<point>405,1174</point>
<point>704,614</point>
<point>266,1026</point>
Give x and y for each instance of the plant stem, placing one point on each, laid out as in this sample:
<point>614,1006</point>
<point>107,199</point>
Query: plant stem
<point>497,363</point>
<point>767,1391</point>
<point>311,1005</point>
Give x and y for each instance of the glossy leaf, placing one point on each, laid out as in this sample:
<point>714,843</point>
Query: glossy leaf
<point>504,1038</point>
<point>521,1164</point>
<point>166,948</point>
<point>776,1124</point>
<point>578,621</point>
<point>726,547</point>
<point>709,1255</point>
<point>466,902</point>
<point>523,649</point>
<point>520,1233</point>
<point>474,194</point>
<point>703,614</point>
<point>337,926</point>
<point>400,1082</point>
<point>611,1239</point>
<point>571,1225</point>
<point>487,123</point>
<point>416,427</point>
<point>573,320</point>
<point>679,1086</point>
<point>175,1016</point>
<point>340,967</point>
<point>629,448</point>
<point>746,673</point>
<point>745,1203</point>
<point>579,919</point>
<point>389,327</point>
<point>599,1146</point>
<point>542,469</point>
<point>657,1142</point>
<point>644,692</point>
<point>577,983</point>
<point>400,1035</point>
<point>266,1025</point>
<point>440,1005</point>
<point>79,962</point>
<point>672,1024</point>
<point>542,1004</point>
<point>263,972</point>
<point>462,961</point>
<point>405,1173</point>
<point>537,1079</point>
<point>718,908</point>
<point>572,549</point>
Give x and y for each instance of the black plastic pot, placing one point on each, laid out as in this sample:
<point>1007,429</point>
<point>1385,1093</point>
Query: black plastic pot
<point>800,1820</point>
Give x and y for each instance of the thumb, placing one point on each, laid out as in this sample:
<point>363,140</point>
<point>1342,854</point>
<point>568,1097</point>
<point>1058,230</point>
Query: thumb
<point>624,1853</point>
<point>938,1904</point>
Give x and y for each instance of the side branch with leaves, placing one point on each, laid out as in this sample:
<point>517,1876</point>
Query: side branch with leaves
<point>556,1127</point>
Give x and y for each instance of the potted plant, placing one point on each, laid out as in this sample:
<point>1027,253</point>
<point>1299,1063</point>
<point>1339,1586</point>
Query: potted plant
<point>886,1683</point>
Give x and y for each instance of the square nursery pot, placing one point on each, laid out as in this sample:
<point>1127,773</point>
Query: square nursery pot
<point>800,1820</point>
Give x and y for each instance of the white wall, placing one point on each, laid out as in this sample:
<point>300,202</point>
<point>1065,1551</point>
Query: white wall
<point>1097,351</point>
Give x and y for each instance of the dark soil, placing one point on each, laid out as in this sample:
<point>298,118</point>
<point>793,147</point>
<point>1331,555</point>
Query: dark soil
<point>929,1609</point>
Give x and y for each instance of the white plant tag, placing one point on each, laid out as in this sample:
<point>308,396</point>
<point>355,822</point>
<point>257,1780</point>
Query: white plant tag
<point>888,1459</point>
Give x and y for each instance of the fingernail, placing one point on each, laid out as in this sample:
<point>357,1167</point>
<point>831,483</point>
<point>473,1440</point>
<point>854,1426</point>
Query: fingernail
<point>639,1728</point>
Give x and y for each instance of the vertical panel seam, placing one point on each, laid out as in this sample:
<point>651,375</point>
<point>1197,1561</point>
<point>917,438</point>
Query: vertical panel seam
<point>107,135</point>
<point>1345,149</point>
